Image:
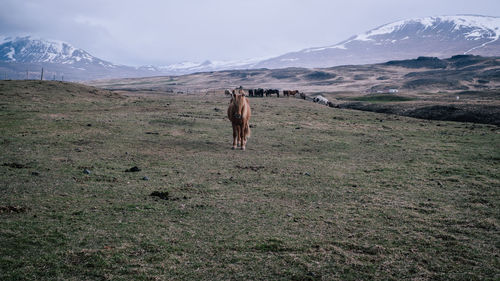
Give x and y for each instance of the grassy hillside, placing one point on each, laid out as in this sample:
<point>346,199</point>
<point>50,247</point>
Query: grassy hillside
<point>422,75</point>
<point>320,193</point>
<point>462,88</point>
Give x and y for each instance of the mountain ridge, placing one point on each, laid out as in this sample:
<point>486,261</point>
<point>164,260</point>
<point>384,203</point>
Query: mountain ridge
<point>21,56</point>
<point>439,36</point>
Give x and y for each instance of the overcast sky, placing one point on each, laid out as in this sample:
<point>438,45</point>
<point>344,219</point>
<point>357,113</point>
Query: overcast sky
<point>169,31</point>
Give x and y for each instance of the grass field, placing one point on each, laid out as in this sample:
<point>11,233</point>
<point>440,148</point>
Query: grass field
<point>382,98</point>
<point>319,194</point>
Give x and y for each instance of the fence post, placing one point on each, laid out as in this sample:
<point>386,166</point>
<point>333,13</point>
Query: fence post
<point>41,76</point>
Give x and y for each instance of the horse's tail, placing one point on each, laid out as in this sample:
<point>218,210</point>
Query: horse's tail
<point>247,131</point>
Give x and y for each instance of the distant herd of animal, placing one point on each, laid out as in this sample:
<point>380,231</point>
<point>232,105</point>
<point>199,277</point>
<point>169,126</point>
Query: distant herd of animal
<point>259,92</point>
<point>239,112</point>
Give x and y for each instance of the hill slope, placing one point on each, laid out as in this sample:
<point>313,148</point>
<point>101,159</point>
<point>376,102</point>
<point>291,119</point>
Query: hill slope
<point>425,87</point>
<point>463,72</point>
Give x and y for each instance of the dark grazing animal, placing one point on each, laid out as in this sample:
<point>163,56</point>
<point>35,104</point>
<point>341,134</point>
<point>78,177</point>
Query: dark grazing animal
<point>272,92</point>
<point>258,92</point>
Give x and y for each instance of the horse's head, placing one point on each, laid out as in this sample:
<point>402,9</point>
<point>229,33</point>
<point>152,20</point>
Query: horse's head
<point>238,102</point>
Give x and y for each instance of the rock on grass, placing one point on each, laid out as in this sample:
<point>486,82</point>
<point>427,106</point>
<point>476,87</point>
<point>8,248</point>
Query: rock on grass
<point>133,169</point>
<point>160,194</point>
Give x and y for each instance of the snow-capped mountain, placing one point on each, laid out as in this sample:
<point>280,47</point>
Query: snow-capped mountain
<point>190,67</point>
<point>35,50</point>
<point>24,57</point>
<point>19,54</point>
<point>441,36</point>
<point>187,67</point>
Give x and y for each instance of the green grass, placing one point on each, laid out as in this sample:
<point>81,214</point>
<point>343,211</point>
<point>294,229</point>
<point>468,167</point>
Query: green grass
<point>382,98</point>
<point>319,194</point>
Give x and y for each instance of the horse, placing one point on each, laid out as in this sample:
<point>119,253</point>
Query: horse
<point>258,92</point>
<point>271,92</point>
<point>290,92</point>
<point>239,114</point>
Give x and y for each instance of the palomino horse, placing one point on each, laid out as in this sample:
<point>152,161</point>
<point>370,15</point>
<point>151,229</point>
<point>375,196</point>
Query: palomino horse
<point>239,114</point>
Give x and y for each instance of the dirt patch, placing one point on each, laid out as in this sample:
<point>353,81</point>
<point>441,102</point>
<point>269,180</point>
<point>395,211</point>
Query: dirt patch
<point>253,168</point>
<point>177,133</point>
<point>161,194</point>
<point>164,195</point>
<point>53,116</point>
<point>12,209</point>
<point>16,165</point>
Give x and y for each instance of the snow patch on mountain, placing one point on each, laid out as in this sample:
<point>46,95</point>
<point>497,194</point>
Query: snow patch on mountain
<point>189,67</point>
<point>11,54</point>
<point>340,46</point>
<point>480,25</point>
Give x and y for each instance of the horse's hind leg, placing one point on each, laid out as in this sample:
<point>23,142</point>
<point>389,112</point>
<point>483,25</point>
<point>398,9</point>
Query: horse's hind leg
<point>244,132</point>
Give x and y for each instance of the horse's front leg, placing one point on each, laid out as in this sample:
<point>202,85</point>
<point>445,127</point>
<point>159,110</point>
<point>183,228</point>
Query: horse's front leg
<point>240,132</point>
<point>243,136</point>
<point>235,136</point>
